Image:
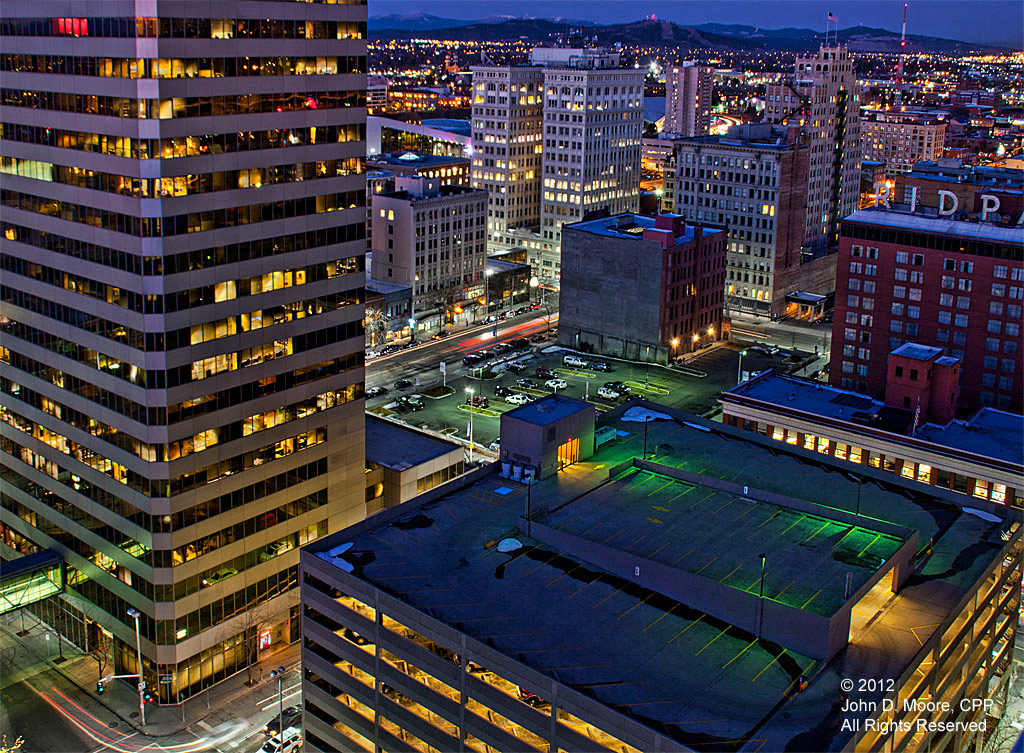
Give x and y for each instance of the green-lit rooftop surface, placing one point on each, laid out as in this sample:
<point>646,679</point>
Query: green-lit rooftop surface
<point>720,536</point>
<point>700,680</point>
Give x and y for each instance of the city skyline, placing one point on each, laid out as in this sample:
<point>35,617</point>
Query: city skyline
<point>958,19</point>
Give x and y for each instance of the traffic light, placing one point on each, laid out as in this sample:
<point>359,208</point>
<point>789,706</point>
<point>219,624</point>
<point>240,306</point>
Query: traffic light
<point>148,696</point>
<point>100,689</point>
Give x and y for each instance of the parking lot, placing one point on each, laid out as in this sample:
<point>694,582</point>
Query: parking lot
<point>693,387</point>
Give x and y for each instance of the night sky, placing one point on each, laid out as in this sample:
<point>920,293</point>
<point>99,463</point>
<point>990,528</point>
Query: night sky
<point>992,21</point>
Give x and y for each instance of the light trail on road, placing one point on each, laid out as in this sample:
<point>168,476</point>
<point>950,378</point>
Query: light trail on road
<point>120,743</point>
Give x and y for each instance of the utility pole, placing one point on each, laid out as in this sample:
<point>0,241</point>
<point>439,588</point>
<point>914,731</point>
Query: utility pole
<point>899,65</point>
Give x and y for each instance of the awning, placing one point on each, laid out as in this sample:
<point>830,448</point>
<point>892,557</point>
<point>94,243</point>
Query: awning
<point>806,299</point>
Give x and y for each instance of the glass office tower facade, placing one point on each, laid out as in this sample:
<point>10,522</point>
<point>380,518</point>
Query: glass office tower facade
<point>181,305</point>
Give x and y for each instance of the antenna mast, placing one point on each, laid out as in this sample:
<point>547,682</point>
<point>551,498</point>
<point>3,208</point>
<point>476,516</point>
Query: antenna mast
<point>899,65</point>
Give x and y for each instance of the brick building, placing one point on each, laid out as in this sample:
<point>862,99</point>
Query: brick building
<point>902,138</point>
<point>641,287</point>
<point>934,281</point>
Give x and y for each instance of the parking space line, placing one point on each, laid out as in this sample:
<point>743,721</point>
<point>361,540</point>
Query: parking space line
<point>769,664</point>
<point>749,646</point>
<point>852,529</point>
<point>708,563</point>
<point>561,527</point>
<point>776,514</point>
<point>686,628</point>
<point>826,525</point>
<point>712,641</point>
<point>794,523</point>
<point>804,605</point>
<point>562,576</point>
<point>661,617</point>
<point>606,598</point>
<point>744,512</point>
<point>727,576</point>
<point>613,535</point>
<point>540,565</point>
<point>667,483</point>
<point>706,496</point>
<point>651,555</point>
<point>679,558</point>
<point>784,589</point>
<point>870,545</point>
<point>626,549</point>
<point>725,505</point>
<point>636,605</point>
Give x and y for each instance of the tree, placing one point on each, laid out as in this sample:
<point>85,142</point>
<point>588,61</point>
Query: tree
<point>444,298</point>
<point>254,621</point>
<point>548,308</point>
<point>378,324</point>
<point>13,747</point>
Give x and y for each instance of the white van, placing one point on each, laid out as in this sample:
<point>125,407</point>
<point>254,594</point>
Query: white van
<point>571,360</point>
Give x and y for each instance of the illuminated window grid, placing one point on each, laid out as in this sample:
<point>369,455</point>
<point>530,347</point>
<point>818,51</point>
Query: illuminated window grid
<point>484,712</point>
<point>969,659</point>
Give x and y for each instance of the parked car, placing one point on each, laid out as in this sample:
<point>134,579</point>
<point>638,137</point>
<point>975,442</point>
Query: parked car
<point>493,318</point>
<point>619,387</point>
<point>403,384</point>
<point>556,384</point>
<point>410,402</point>
<point>502,391</point>
<point>526,384</point>
<point>522,310</point>
<point>517,367</point>
<point>501,348</point>
<point>517,398</point>
<point>485,353</point>
<point>543,373</point>
<point>272,550</point>
<point>290,741</point>
<point>521,343</point>
<point>376,391</point>
<point>441,335</point>
<point>600,366</point>
<point>538,338</point>
<point>472,358</point>
<point>578,361</point>
<point>495,445</point>
<point>477,401</point>
<point>535,305</point>
<point>219,575</point>
<point>608,393</point>
<point>292,716</point>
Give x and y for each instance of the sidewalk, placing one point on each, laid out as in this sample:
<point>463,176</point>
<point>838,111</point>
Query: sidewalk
<point>209,708</point>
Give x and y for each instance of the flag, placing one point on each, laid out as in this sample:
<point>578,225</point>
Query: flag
<point>917,417</point>
<point>831,17</point>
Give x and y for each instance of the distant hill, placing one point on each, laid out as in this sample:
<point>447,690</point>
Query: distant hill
<point>858,38</point>
<point>425,22</point>
<point>655,33</point>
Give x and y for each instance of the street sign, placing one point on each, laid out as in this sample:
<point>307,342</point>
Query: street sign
<point>167,679</point>
<point>444,367</point>
<point>142,685</point>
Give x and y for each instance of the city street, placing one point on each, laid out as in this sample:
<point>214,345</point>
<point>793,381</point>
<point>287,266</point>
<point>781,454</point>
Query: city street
<point>54,707</point>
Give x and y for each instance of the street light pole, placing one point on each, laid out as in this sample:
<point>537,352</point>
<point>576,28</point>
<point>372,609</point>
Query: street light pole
<point>138,649</point>
<point>470,391</point>
<point>279,674</point>
<point>739,367</point>
<point>646,419</point>
<point>760,600</point>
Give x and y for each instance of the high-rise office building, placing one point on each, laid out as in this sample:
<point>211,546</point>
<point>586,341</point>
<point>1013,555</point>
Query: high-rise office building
<point>593,123</point>
<point>507,103</point>
<point>181,304</point>
<point>688,99</point>
<point>824,96</point>
<point>753,181</point>
<point>554,142</point>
